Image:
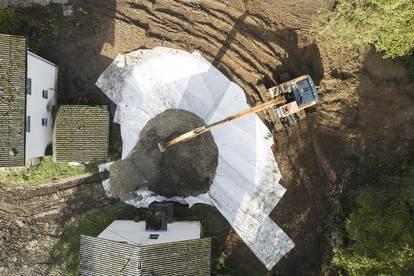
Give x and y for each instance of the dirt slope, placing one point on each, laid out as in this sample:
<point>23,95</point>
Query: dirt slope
<point>32,220</point>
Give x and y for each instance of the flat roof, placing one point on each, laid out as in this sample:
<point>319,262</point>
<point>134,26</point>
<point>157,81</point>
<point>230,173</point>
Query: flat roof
<point>132,232</point>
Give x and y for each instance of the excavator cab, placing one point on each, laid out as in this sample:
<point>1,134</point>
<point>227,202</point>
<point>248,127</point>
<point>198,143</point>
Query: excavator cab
<point>300,95</point>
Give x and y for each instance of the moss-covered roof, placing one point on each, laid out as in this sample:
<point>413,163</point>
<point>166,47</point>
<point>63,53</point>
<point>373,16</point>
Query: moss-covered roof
<point>12,100</point>
<point>182,258</point>
<point>81,133</point>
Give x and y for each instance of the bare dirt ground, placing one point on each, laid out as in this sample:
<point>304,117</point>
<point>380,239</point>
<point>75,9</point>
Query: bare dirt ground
<point>33,219</point>
<point>365,116</point>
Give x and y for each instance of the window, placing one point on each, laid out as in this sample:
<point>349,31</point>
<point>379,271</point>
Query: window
<point>27,123</point>
<point>45,94</point>
<point>29,86</point>
<point>44,121</point>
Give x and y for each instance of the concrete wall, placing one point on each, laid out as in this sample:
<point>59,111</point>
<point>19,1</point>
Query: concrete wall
<point>43,75</point>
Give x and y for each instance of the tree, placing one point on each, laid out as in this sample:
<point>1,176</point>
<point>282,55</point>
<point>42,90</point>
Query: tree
<point>380,230</point>
<point>8,20</point>
<point>388,25</point>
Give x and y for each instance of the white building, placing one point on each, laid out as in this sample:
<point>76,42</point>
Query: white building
<point>130,248</point>
<point>129,231</point>
<point>27,96</point>
<point>40,100</point>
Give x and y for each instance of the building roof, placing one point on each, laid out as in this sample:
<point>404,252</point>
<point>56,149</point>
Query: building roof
<point>81,133</point>
<point>105,257</point>
<point>133,232</point>
<point>13,55</point>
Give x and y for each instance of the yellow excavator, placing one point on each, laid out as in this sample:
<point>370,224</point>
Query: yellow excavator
<point>288,100</point>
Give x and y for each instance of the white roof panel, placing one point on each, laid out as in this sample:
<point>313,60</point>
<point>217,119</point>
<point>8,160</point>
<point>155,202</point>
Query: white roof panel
<point>134,232</point>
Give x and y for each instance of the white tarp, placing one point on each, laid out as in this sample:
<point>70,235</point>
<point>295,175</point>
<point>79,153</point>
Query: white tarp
<point>246,187</point>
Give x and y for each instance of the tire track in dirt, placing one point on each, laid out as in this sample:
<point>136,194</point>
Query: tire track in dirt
<point>229,19</point>
<point>204,31</point>
<point>33,219</point>
<point>242,43</point>
<point>209,30</point>
<point>209,34</point>
<point>51,201</point>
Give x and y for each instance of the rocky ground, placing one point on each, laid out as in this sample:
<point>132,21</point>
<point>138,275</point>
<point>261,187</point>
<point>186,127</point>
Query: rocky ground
<point>365,116</point>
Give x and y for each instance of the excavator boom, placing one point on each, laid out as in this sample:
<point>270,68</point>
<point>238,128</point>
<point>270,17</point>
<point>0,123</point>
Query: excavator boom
<point>200,130</point>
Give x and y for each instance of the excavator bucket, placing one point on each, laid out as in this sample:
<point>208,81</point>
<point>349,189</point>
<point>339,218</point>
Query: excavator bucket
<point>161,147</point>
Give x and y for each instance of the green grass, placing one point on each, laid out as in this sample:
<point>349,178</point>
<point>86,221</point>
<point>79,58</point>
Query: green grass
<point>66,252</point>
<point>46,171</point>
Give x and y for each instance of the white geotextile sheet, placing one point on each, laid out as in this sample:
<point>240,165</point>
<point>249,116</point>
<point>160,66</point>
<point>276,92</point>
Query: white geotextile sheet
<point>246,187</point>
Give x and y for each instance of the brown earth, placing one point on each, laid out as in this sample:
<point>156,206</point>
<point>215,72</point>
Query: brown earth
<point>33,219</point>
<point>365,116</point>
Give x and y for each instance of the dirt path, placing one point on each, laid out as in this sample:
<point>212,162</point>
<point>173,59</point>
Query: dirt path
<point>365,116</point>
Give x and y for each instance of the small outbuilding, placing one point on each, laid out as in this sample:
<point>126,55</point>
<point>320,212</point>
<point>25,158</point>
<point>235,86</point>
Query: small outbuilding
<point>81,133</point>
<point>182,258</point>
<point>156,246</point>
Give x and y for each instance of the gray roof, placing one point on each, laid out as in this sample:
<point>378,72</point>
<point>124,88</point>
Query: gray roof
<point>13,55</point>
<point>81,133</point>
<point>104,257</point>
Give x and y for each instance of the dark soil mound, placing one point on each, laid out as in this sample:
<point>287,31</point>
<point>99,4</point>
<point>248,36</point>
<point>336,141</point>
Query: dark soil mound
<point>185,169</point>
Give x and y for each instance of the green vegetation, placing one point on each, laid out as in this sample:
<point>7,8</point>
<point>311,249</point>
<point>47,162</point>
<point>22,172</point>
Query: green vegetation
<point>8,20</point>
<point>380,229</point>
<point>46,171</point>
<point>67,250</point>
<point>388,25</point>
<point>39,25</point>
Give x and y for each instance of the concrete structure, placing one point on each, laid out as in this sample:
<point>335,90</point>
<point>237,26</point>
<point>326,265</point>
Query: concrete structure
<point>27,97</point>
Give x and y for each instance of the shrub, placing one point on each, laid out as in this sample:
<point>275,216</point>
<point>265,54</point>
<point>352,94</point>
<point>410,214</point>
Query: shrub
<point>9,23</point>
<point>388,25</point>
<point>39,24</point>
<point>380,230</point>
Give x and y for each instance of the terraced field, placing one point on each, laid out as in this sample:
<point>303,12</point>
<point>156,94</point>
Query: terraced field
<point>33,219</point>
